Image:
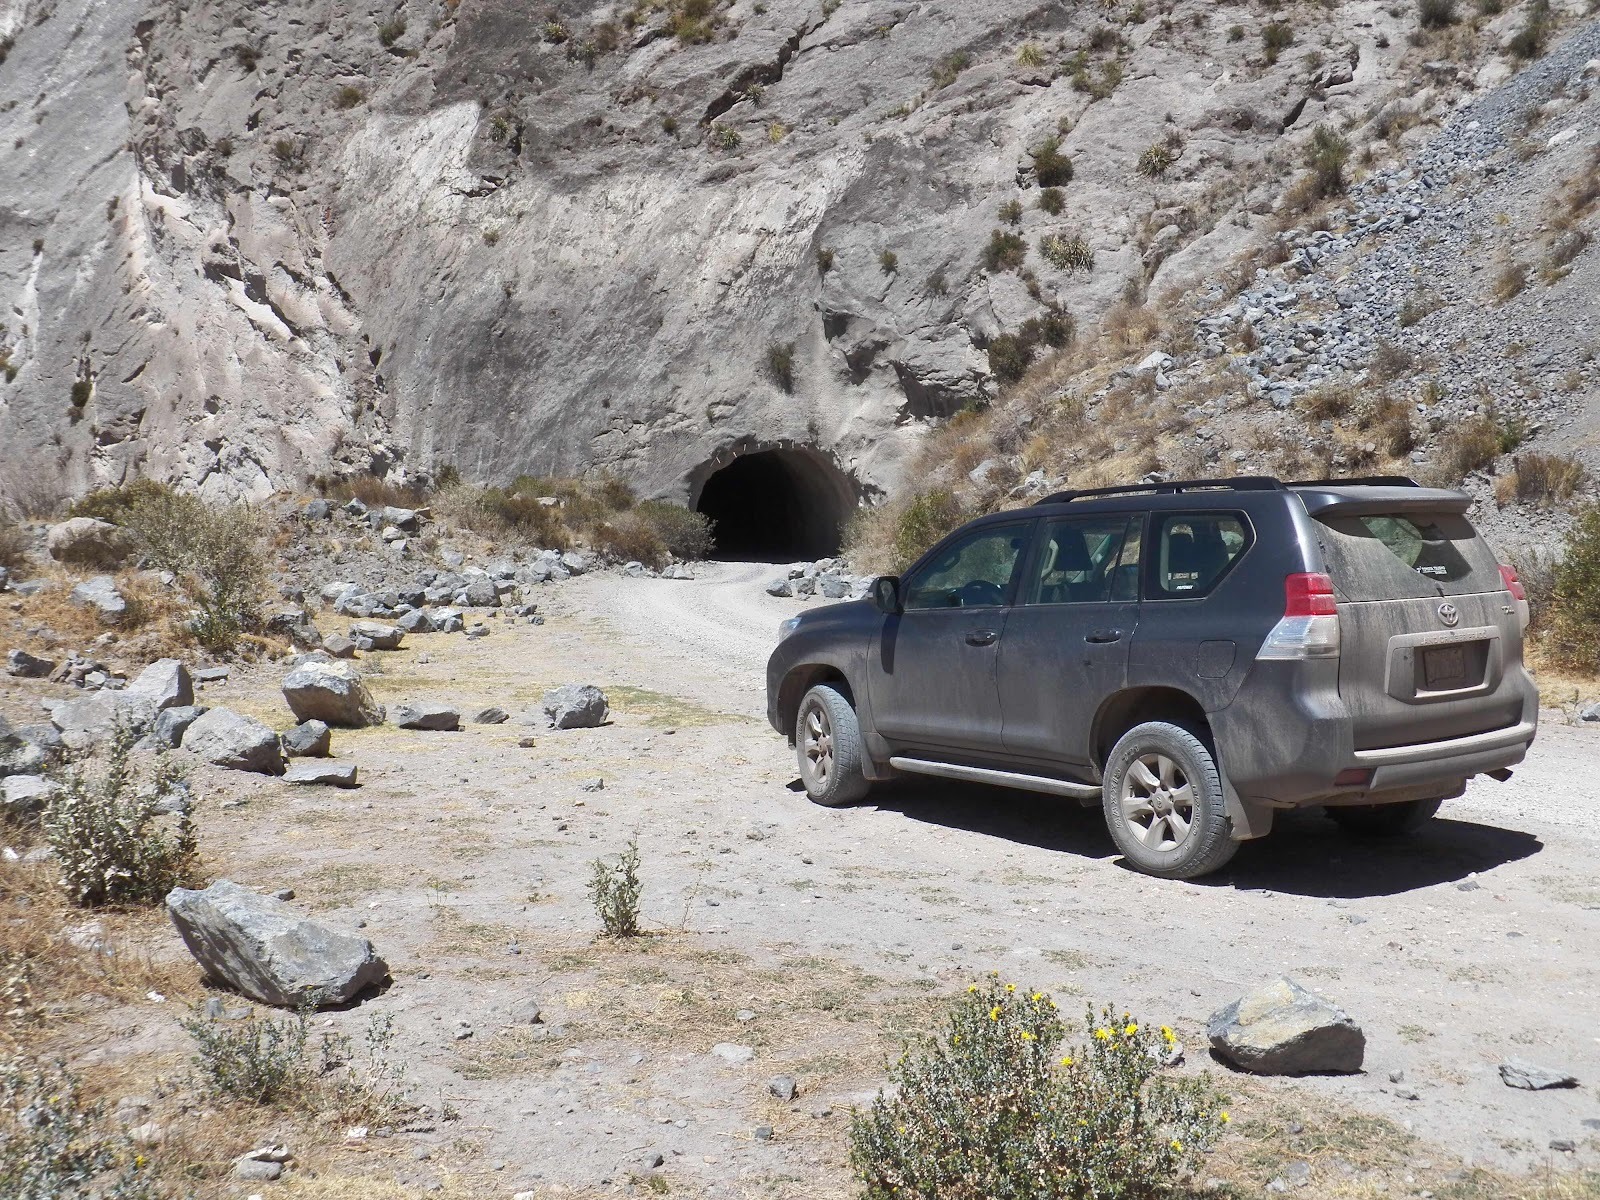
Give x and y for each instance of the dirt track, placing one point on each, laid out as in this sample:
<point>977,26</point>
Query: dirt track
<point>836,931</point>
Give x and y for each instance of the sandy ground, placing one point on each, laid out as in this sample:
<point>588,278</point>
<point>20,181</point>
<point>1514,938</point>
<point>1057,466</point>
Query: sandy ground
<point>818,938</point>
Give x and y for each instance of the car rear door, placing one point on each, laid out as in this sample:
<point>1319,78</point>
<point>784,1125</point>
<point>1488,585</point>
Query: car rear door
<point>932,671</point>
<point>1430,642</point>
<point>1066,641</point>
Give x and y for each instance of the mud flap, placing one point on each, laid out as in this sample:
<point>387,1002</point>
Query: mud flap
<point>1249,819</point>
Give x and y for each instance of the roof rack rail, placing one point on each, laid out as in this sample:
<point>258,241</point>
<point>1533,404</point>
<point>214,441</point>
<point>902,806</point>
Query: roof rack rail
<point>1238,483</point>
<point>1358,481</point>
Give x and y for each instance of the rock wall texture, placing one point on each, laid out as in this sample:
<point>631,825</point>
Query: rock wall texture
<point>244,244</point>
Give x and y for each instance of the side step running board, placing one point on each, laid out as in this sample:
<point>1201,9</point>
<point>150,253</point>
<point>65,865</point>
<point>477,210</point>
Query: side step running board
<point>1010,779</point>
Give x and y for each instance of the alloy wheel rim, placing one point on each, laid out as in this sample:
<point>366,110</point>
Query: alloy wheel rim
<point>1157,802</point>
<point>817,744</point>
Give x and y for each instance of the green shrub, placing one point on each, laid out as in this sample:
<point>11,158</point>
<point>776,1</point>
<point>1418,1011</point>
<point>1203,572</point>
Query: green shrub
<point>1490,8</point>
<point>1388,363</point>
<point>248,57</point>
<point>1157,160</point>
<point>13,545</point>
<point>391,32</point>
<point>936,284</point>
<point>1276,37</point>
<point>1054,329</point>
<point>996,1107</point>
<point>82,389</point>
<point>947,69</point>
<point>724,137</point>
<point>1326,156</point>
<point>257,1060</point>
<point>1051,201</point>
<point>1011,212</point>
<point>1547,479</point>
<point>348,97</point>
<point>1005,251</point>
<point>1528,42</point>
<point>1030,55</point>
<point>1436,14</point>
<point>1574,638</point>
<point>1066,253</point>
<point>824,260</point>
<point>1417,307</point>
<point>1009,357</point>
<point>614,891</point>
<point>54,1144</point>
<point>112,844</point>
<point>780,364</point>
<point>555,32</point>
<point>1236,33</point>
<point>116,504</point>
<point>519,510</point>
<point>1051,167</point>
<point>1510,282</point>
<point>925,519</point>
<point>888,262</point>
<point>217,554</point>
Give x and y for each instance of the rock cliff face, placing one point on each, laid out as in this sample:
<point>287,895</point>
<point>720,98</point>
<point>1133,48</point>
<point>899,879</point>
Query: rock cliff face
<point>244,244</point>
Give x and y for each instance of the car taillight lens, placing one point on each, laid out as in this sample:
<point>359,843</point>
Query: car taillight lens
<point>1310,624</point>
<point>1513,583</point>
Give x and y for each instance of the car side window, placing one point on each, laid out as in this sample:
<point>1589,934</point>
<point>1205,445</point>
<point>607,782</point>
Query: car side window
<point>972,572</point>
<point>1079,560</point>
<point>1193,551</point>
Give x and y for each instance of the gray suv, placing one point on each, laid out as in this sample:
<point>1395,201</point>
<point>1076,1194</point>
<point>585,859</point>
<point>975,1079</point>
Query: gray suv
<point>1190,656</point>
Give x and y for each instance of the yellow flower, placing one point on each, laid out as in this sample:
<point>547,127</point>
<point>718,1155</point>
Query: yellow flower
<point>1176,1144</point>
<point>972,987</point>
<point>1067,1062</point>
<point>1036,997</point>
<point>1102,1034</point>
<point>1011,987</point>
<point>1026,1036</point>
<point>1130,1030</point>
<point>1225,1117</point>
<point>138,1160</point>
<point>1166,1032</point>
<point>994,1013</point>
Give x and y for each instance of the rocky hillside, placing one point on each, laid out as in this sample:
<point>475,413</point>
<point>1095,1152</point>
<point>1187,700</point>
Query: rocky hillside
<point>248,244</point>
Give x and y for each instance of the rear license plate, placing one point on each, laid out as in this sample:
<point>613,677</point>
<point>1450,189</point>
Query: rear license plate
<point>1444,667</point>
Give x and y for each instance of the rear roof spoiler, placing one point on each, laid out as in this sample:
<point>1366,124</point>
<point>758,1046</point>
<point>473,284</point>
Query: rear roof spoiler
<point>1369,500</point>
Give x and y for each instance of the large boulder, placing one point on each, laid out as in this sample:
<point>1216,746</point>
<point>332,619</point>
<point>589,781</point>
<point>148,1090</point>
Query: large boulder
<point>331,692</point>
<point>375,635</point>
<point>426,714</point>
<point>166,682</point>
<point>22,665</point>
<point>260,947</point>
<point>101,594</point>
<point>167,730</point>
<point>1282,1029</point>
<point>292,624</point>
<point>89,721</point>
<point>576,706</point>
<point>225,738</point>
<point>87,542</point>
<point>25,796</point>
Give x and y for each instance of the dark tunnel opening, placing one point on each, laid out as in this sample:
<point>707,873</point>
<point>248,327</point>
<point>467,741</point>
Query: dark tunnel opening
<point>776,506</point>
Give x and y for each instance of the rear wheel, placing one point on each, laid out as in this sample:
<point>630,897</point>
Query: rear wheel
<point>1384,820</point>
<point>827,742</point>
<point>1164,804</point>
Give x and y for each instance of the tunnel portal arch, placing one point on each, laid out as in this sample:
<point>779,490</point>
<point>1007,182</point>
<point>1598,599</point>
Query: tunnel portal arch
<point>774,503</point>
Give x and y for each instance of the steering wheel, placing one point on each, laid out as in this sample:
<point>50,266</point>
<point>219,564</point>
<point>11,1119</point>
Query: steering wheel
<point>980,593</point>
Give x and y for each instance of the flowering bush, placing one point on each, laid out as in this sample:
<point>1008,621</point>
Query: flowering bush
<point>998,1109</point>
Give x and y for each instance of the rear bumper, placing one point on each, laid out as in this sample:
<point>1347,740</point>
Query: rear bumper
<point>1403,766</point>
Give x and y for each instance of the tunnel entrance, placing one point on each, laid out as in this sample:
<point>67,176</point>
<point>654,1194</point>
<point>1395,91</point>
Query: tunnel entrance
<point>776,506</point>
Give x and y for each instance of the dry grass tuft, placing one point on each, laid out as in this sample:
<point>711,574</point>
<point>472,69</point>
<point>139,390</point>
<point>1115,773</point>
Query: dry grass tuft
<point>1542,479</point>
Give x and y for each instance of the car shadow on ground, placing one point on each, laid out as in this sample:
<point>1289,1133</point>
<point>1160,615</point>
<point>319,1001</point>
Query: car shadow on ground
<point>1306,854</point>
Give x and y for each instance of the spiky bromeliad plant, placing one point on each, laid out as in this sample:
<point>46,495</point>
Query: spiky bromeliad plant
<point>998,1109</point>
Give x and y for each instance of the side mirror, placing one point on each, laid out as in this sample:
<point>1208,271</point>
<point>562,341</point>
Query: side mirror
<point>885,593</point>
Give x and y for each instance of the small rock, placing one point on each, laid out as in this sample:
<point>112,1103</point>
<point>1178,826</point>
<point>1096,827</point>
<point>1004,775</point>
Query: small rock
<point>1282,1029</point>
<point>166,682</point>
<point>782,1087</point>
<point>212,674</point>
<point>763,1133</point>
<point>779,588</point>
<point>100,593</point>
<point>170,725</point>
<point>339,646</point>
<point>729,1052</point>
<point>576,706</point>
<point>426,714</point>
<point>382,637</point>
<point>594,785</point>
<point>24,796</point>
<point>490,716</point>
<point>309,739</point>
<point>1518,1073</point>
<point>1563,1145</point>
<point>228,739</point>
<point>257,1172</point>
<point>323,773</point>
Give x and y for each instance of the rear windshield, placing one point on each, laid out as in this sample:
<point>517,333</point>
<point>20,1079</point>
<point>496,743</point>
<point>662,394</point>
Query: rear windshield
<point>1400,555</point>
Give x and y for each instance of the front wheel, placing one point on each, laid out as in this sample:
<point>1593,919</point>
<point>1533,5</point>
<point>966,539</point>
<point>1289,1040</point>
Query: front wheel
<point>1383,820</point>
<point>827,742</point>
<point>1164,804</point>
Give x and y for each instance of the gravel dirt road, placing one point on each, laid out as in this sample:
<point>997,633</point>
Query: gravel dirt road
<point>818,939</point>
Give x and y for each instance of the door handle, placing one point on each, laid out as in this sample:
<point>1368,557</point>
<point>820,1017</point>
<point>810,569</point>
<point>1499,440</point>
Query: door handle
<point>982,637</point>
<point>1101,636</point>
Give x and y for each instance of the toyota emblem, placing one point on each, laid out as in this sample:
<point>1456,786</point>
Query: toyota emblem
<point>1448,614</point>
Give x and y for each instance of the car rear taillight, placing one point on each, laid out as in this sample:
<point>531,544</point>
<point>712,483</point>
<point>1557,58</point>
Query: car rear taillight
<point>1513,582</point>
<point>1310,624</point>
